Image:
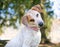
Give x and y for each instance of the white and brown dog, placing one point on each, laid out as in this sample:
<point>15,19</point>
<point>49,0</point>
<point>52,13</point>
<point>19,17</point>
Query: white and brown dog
<point>30,35</point>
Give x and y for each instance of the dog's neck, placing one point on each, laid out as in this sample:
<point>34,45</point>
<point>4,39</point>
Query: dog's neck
<point>33,28</point>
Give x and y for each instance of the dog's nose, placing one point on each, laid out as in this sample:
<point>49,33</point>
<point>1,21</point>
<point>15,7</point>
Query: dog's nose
<point>40,24</point>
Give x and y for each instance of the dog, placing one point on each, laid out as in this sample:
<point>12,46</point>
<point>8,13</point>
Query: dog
<point>30,35</point>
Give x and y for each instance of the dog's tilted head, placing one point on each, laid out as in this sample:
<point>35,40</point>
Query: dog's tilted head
<point>33,18</point>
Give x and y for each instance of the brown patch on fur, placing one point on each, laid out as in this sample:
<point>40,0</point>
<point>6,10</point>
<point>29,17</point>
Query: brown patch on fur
<point>37,8</point>
<point>29,18</point>
<point>26,19</point>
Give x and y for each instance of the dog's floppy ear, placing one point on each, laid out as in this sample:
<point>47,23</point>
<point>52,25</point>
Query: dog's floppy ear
<point>37,8</point>
<point>24,20</point>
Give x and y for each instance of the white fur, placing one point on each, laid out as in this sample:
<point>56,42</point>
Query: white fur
<point>27,37</point>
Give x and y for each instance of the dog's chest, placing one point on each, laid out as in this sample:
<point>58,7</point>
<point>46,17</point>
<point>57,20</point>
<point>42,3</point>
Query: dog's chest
<point>36,38</point>
<point>33,36</point>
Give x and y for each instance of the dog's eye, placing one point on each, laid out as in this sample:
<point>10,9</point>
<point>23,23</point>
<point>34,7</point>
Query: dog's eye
<point>37,15</point>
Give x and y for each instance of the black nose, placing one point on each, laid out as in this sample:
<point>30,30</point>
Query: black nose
<point>41,24</point>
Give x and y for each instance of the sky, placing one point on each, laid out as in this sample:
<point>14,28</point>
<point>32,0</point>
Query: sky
<point>56,8</point>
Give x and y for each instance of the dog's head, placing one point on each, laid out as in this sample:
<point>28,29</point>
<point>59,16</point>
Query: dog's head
<point>33,17</point>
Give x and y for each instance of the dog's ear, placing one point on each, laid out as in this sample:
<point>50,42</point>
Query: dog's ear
<point>37,8</point>
<point>24,20</point>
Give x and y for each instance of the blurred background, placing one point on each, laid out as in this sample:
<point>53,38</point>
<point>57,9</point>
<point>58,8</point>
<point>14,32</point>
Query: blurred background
<point>11,12</point>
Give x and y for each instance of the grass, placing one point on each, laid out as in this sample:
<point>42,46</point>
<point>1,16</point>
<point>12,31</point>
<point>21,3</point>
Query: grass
<point>3,43</point>
<point>49,45</point>
<point>41,45</point>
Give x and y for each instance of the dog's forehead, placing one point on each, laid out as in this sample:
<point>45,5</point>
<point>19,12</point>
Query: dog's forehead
<point>32,13</point>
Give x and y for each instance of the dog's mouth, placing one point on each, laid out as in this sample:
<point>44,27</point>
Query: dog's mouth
<point>34,26</point>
